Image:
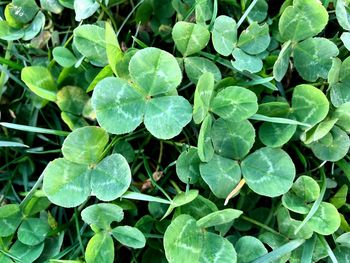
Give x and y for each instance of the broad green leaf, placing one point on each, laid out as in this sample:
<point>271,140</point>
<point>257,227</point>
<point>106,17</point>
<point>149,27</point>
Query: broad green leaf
<point>342,113</point>
<point>23,10</point>
<point>313,58</point>
<point>282,63</point>
<point>309,104</point>
<point>9,33</point>
<point>183,240</point>
<point>100,249</point>
<point>117,112</point>
<point>288,225</point>
<point>72,99</point>
<point>85,8</point>
<point>344,239</point>
<point>304,19</point>
<point>155,71</point>
<point>202,96</point>
<point>203,10</point>
<point>221,175</point>
<point>165,117</point>
<point>326,220</point>
<point>344,75</point>
<point>318,131</point>
<point>85,145</point>
<point>205,145</point>
<point>113,50</point>
<point>217,249</point>
<point>342,13</point>
<point>340,94</point>
<point>89,40</point>
<point>33,231</point>
<point>111,178</point>
<point>255,39</point>
<point>187,166</point>
<point>66,184</point>
<point>235,103</point>
<point>332,147</point>
<point>232,139</point>
<point>129,236</point>
<point>35,26</point>
<point>64,57</point>
<point>342,253</point>
<point>249,248</point>
<point>195,67</point>
<point>25,253</point>
<point>304,191</point>
<point>52,6</point>
<point>219,217</point>
<point>269,171</point>
<point>102,215</point>
<point>40,81</point>
<point>274,109</point>
<point>224,35</point>
<point>190,38</point>
<point>276,134</point>
<point>245,62</point>
<point>125,149</point>
<point>345,38</point>
<point>10,218</point>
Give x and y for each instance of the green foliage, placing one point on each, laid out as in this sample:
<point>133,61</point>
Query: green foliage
<point>174,131</point>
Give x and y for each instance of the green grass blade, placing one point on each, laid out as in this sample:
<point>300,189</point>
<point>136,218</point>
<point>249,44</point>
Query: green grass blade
<point>12,144</point>
<point>329,250</point>
<point>144,197</point>
<point>259,117</point>
<point>308,250</point>
<point>33,129</point>
<point>279,252</point>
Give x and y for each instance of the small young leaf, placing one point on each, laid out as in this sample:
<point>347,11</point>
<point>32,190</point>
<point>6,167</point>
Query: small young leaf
<point>25,253</point>
<point>114,53</point>
<point>276,134</point>
<point>111,178</point>
<point>202,96</point>
<point>342,13</point>
<point>281,65</point>
<point>269,171</point>
<point>72,99</point>
<point>129,236</point>
<point>190,38</point>
<point>219,217</point>
<point>35,26</point>
<point>40,81</point>
<point>235,103</point>
<point>205,145</point>
<point>342,113</point>
<point>85,8</point>
<point>102,215</point>
<point>23,10</point>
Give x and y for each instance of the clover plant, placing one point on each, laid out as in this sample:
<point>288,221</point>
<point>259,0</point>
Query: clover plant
<point>175,131</point>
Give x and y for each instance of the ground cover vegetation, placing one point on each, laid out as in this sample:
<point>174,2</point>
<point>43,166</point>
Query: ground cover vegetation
<point>174,131</point>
